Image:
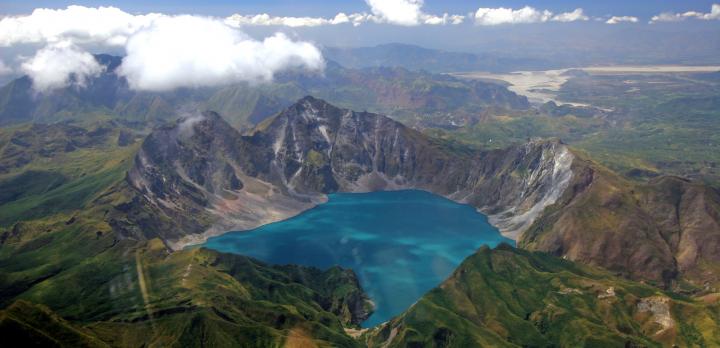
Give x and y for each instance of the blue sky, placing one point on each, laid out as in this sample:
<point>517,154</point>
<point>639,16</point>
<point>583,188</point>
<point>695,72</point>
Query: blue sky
<point>640,8</point>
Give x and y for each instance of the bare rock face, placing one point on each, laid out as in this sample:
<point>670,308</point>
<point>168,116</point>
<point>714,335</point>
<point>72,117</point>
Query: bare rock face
<point>200,177</point>
<point>320,148</point>
<point>661,231</point>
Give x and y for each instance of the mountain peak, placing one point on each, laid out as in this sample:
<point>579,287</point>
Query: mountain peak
<point>310,110</point>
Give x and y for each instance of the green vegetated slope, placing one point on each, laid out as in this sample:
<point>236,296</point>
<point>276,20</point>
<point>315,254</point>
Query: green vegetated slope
<point>650,125</point>
<point>46,169</point>
<point>671,122</point>
<point>24,324</point>
<point>508,297</point>
<point>129,294</point>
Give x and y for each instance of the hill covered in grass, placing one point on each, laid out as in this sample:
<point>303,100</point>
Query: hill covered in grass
<point>513,298</point>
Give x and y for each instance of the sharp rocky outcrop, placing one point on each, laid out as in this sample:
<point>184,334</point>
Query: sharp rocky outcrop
<point>200,177</point>
<point>666,231</point>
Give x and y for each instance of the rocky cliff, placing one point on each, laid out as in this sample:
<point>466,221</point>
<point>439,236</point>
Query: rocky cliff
<point>665,230</point>
<point>201,177</point>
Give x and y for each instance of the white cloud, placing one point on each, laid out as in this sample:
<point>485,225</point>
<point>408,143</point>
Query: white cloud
<point>162,51</point>
<point>441,20</point>
<point>407,13</point>
<point>60,64</point>
<point>527,14</point>
<point>397,12</point>
<point>4,69</point>
<point>668,17</point>
<point>239,20</point>
<point>502,15</point>
<point>400,12</point>
<point>79,24</point>
<point>621,19</point>
<point>576,15</point>
<point>189,51</point>
<point>714,14</point>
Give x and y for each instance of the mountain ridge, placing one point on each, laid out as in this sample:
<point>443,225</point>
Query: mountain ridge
<point>200,176</point>
<point>314,148</point>
<point>487,302</point>
<point>417,97</point>
<point>540,193</point>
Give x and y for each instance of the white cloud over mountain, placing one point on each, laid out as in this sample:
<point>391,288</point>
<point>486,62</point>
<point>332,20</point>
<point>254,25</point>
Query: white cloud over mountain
<point>169,51</point>
<point>191,51</point>
<point>59,65</point>
<point>714,14</point>
<point>163,51</point>
<point>525,15</point>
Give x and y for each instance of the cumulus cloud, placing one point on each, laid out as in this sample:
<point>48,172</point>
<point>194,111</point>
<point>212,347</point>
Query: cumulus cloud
<point>397,12</point>
<point>442,20</point>
<point>714,14</point>
<point>400,12</point>
<point>79,24</point>
<point>576,15</point>
<point>189,51</point>
<point>238,20</point>
<point>407,13</point>
<point>162,51</point>
<point>59,65</point>
<point>621,19</point>
<point>502,15</point>
<point>527,14</point>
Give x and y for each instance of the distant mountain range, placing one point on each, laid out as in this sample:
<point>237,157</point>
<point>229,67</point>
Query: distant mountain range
<point>418,98</point>
<point>437,61</point>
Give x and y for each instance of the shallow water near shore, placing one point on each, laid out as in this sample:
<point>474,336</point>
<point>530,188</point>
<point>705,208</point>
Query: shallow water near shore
<point>401,244</point>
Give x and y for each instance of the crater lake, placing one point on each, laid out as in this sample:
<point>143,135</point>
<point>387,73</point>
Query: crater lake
<point>401,244</point>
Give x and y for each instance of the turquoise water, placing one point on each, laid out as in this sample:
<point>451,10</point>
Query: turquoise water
<point>400,243</point>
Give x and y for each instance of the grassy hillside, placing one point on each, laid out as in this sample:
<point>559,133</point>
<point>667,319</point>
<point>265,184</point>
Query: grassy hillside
<point>47,169</point>
<point>126,294</point>
<point>513,298</point>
